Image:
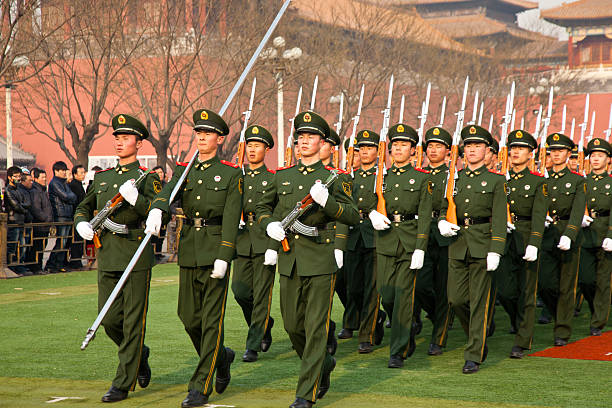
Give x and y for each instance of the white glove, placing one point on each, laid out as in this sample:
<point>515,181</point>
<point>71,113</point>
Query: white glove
<point>270,257</point>
<point>548,220</point>
<point>564,243</point>
<point>418,257</point>
<point>447,229</point>
<point>492,261</point>
<point>219,269</point>
<point>607,245</point>
<point>531,253</point>
<point>154,222</point>
<point>85,231</point>
<point>275,231</point>
<point>339,257</point>
<point>319,193</point>
<point>586,221</point>
<point>379,221</point>
<point>129,192</point>
<point>510,227</point>
<point>241,224</point>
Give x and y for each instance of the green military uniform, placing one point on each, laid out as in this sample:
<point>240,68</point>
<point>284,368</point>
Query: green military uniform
<point>363,302</point>
<point>125,322</point>
<point>480,198</point>
<point>253,281</point>
<point>308,270</point>
<point>595,262</point>
<point>517,278</point>
<point>559,269</point>
<point>432,279</point>
<point>408,197</point>
<point>211,198</point>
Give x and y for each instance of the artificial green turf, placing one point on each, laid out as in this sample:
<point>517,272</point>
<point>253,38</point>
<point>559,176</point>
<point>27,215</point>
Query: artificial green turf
<point>44,322</point>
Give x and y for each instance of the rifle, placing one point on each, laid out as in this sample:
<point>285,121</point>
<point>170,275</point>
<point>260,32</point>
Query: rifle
<point>336,161</point>
<point>503,148</point>
<point>245,125</point>
<point>563,119</point>
<point>381,206</point>
<point>490,123</point>
<point>423,117</point>
<point>587,164</point>
<point>401,114</point>
<point>542,156</point>
<point>443,111</point>
<point>102,220</point>
<point>291,220</point>
<point>474,110</point>
<point>289,148</point>
<point>313,98</point>
<point>351,149</point>
<point>480,114</point>
<point>451,212</point>
<point>583,127</point>
<point>608,131</point>
<point>91,332</point>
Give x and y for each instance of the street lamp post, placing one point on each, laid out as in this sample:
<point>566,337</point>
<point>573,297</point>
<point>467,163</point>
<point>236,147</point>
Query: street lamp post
<point>9,126</point>
<point>279,57</point>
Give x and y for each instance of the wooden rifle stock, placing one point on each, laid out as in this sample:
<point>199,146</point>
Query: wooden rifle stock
<point>306,201</point>
<point>419,157</point>
<point>350,156</point>
<point>381,206</point>
<point>118,198</point>
<point>451,212</point>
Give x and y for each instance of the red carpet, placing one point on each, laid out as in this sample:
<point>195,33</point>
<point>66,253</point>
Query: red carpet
<point>589,348</point>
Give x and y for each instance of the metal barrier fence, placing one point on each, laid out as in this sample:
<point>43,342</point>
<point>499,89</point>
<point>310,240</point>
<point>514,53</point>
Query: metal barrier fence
<point>32,245</point>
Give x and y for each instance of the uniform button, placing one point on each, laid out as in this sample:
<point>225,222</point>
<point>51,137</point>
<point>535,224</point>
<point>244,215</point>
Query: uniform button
<point>513,188</point>
<point>114,186</point>
<point>198,197</point>
<point>361,186</point>
<point>468,186</point>
<point>397,185</point>
<point>361,221</point>
<point>394,212</point>
<point>554,199</point>
<point>114,233</point>
<point>512,202</point>
<point>199,181</point>
<point>465,214</point>
<point>197,213</point>
<point>304,172</point>
<point>467,200</point>
<point>197,229</point>
<point>296,236</point>
<point>526,195</point>
<point>120,172</point>
<point>300,187</point>
<point>249,200</point>
<point>555,187</point>
<point>250,187</point>
<point>284,192</point>
<point>593,199</point>
<point>360,198</point>
<point>594,188</point>
<point>252,175</point>
<point>327,240</point>
<point>396,198</point>
<point>554,211</point>
<point>396,224</point>
<point>216,188</point>
<point>250,224</point>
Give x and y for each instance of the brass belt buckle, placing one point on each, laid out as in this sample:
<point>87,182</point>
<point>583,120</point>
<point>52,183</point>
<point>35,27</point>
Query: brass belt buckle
<point>467,221</point>
<point>397,217</point>
<point>251,217</point>
<point>593,214</point>
<point>555,219</point>
<point>514,218</point>
<point>197,222</point>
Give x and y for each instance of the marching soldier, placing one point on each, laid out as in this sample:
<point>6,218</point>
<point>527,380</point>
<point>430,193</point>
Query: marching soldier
<point>308,269</point>
<point>595,256</point>
<point>492,152</point>
<point>125,322</point>
<point>211,198</point>
<point>401,239</point>
<point>255,266</point>
<point>518,271</point>
<point>432,279</point>
<point>356,159</point>
<point>572,162</point>
<point>481,237</point>
<point>560,254</point>
<point>363,302</point>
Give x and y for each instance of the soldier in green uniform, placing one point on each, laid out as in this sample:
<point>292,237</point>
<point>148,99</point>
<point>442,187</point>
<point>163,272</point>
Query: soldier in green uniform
<point>480,198</point>
<point>517,274</point>
<point>125,322</point>
<point>492,152</point>
<point>596,256</point>
<point>363,302</point>
<point>211,198</point>
<point>559,258</point>
<point>572,162</point>
<point>356,159</point>
<point>401,239</point>
<point>432,279</point>
<point>255,266</point>
<point>308,269</point>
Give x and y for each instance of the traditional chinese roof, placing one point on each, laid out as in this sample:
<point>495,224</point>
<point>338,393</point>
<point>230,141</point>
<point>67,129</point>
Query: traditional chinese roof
<point>587,11</point>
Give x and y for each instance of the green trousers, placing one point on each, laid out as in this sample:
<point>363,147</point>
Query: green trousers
<point>517,281</point>
<point>395,282</point>
<point>431,291</point>
<point>594,281</point>
<point>201,308</point>
<point>557,283</point>
<point>306,304</point>
<point>252,285</point>
<point>126,321</point>
<point>363,301</point>
<point>469,293</point>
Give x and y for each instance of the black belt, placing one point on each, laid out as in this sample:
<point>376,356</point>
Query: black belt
<point>598,214</point>
<point>557,218</point>
<point>474,220</point>
<point>521,217</point>
<point>402,217</point>
<point>201,222</point>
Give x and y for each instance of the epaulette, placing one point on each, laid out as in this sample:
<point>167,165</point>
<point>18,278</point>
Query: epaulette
<point>143,168</point>
<point>578,174</point>
<point>182,164</point>
<point>495,172</point>
<point>272,171</point>
<point>330,168</point>
<point>285,168</point>
<point>535,173</point>
<point>100,171</point>
<point>229,164</point>
<point>422,170</point>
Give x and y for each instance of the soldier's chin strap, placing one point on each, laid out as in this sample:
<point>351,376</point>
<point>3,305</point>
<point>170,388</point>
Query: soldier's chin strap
<point>96,324</point>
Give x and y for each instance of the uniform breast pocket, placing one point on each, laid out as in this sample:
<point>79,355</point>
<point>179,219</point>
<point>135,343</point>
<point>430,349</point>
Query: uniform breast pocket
<point>569,190</point>
<point>216,193</point>
<point>486,193</point>
<point>101,194</point>
<point>285,193</point>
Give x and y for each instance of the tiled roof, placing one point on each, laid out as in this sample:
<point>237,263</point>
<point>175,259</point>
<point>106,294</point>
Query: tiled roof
<point>582,9</point>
